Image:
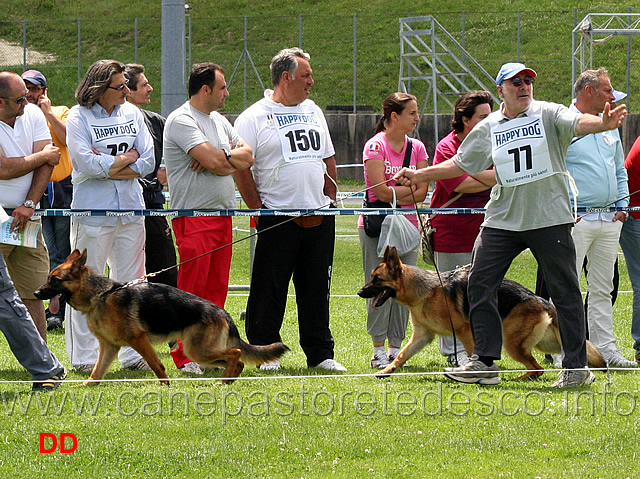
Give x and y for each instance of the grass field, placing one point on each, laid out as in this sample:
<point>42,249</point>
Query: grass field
<point>217,34</point>
<point>299,423</point>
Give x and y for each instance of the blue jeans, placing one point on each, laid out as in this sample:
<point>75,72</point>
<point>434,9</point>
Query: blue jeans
<point>630,242</point>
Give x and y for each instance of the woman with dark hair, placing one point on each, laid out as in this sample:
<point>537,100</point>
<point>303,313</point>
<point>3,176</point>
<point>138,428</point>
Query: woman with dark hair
<point>455,234</point>
<point>383,156</point>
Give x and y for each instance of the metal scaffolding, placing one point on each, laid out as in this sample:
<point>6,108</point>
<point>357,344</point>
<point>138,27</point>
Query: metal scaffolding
<point>595,29</point>
<point>429,53</point>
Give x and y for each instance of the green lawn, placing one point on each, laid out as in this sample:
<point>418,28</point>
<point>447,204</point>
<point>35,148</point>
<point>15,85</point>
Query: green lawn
<point>298,423</point>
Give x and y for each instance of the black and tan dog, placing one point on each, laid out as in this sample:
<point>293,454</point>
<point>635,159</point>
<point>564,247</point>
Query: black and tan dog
<point>528,321</point>
<point>142,314</point>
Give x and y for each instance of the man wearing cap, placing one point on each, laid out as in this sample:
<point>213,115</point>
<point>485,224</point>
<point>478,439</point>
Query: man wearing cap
<point>596,162</point>
<point>27,159</point>
<point>56,229</point>
<point>526,141</point>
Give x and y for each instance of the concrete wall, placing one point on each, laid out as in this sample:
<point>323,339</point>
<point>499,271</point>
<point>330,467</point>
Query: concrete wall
<point>350,131</point>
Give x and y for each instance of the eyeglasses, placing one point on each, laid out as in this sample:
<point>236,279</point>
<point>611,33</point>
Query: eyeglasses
<point>517,81</point>
<point>118,88</point>
<point>34,89</point>
<point>18,100</point>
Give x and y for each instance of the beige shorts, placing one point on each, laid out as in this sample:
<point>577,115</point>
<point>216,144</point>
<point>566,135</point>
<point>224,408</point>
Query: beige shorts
<point>28,267</point>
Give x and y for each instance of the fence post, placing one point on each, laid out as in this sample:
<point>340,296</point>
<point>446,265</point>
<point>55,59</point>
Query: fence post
<point>246,44</point>
<point>135,40</point>
<point>518,41</point>
<point>355,56</point>
<point>79,52</point>
<point>24,45</point>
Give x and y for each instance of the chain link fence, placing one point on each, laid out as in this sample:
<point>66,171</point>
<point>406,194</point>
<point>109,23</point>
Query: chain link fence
<point>356,58</point>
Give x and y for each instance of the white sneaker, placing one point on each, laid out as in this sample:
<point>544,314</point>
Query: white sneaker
<point>271,365</point>
<point>331,365</point>
<point>191,368</point>
<point>462,357</point>
<point>557,360</point>
<point>616,360</point>
<point>379,360</point>
<point>139,365</point>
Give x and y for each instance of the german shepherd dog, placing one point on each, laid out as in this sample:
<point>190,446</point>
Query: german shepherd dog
<point>528,321</point>
<point>142,314</point>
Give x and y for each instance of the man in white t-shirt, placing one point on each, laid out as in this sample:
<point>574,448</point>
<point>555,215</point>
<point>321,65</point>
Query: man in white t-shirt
<point>201,150</point>
<point>294,168</point>
<point>28,158</point>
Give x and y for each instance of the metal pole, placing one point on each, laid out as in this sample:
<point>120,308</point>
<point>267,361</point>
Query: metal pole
<point>464,55</point>
<point>300,31</point>
<point>355,56</point>
<point>188,65</point>
<point>79,52</point>
<point>246,79</point>
<point>518,36</point>
<point>173,55</point>
<point>135,40</point>
<point>629,65</point>
<point>573,51</point>
<point>24,45</point>
<point>434,59</point>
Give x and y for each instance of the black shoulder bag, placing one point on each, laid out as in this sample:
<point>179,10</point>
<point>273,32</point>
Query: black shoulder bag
<point>373,223</point>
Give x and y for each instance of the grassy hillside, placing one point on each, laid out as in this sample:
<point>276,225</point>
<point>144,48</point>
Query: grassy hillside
<point>327,33</point>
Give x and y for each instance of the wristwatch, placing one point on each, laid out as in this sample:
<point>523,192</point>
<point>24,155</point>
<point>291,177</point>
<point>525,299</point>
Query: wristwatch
<point>227,152</point>
<point>29,204</point>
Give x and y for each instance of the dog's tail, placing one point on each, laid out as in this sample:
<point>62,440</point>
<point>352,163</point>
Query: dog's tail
<point>251,353</point>
<point>257,355</point>
<point>551,342</point>
<point>594,357</point>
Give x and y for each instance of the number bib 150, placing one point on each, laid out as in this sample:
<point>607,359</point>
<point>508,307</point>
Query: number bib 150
<point>113,136</point>
<point>301,134</point>
<point>520,152</point>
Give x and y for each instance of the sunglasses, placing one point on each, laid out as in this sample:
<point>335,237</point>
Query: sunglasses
<point>118,88</point>
<point>18,100</point>
<point>34,89</point>
<point>517,81</point>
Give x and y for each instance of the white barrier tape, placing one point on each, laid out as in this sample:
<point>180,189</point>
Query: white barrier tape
<point>311,376</point>
<point>290,211</point>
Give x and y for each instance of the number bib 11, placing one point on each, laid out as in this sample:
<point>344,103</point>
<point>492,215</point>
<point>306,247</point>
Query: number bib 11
<point>301,134</point>
<point>113,136</point>
<point>520,151</point>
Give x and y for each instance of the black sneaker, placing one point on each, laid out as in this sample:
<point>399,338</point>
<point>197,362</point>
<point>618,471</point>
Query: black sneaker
<point>54,321</point>
<point>50,384</point>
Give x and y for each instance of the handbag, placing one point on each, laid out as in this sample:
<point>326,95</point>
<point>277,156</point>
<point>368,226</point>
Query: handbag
<point>427,235</point>
<point>373,223</point>
<point>398,231</point>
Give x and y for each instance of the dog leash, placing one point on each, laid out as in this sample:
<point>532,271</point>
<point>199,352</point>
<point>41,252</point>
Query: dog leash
<point>292,218</point>
<point>446,301</point>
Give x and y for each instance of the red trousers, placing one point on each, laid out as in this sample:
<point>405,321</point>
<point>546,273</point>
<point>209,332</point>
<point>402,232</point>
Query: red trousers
<point>208,276</point>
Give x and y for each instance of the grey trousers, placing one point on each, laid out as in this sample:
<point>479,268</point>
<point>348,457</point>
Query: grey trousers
<point>553,248</point>
<point>24,340</point>
<point>390,320</point>
<point>449,262</point>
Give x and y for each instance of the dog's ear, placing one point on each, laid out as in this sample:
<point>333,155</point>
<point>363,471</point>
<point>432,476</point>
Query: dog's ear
<point>393,261</point>
<point>83,258</point>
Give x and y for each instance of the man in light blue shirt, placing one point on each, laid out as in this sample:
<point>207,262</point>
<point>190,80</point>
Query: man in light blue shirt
<point>110,148</point>
<point>596,162</point>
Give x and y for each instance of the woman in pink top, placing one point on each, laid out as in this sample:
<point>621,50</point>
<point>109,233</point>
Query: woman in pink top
<point>383,156</point>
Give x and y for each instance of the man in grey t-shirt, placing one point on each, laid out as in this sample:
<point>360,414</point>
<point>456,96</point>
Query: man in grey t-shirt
<point>526,141</point>
<point>201,150</point>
